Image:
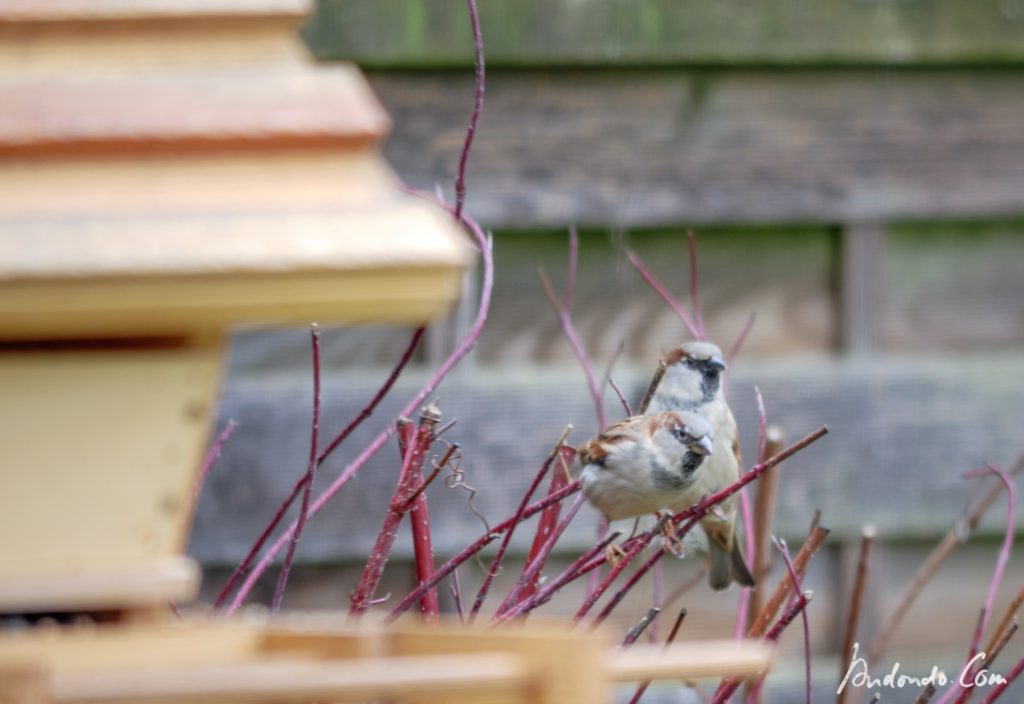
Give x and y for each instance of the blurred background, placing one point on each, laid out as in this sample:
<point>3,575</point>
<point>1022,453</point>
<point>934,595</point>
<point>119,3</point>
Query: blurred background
<point>854,172</point>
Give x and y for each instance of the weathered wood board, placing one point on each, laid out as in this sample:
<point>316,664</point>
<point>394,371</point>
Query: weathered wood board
<point>630,149</point>
<point>665,32</point>
<point>902,434</point>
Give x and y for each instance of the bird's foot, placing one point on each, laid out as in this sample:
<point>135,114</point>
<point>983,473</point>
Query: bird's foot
<point>669,542</point>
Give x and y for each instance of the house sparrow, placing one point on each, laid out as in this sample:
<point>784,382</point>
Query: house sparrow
<point>692,383</point>
<point>644,464</point>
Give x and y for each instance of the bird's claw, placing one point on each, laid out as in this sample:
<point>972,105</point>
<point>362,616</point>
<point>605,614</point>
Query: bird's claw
<point>614,554</point>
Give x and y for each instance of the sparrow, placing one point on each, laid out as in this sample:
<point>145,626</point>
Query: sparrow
<point>692,383</point>
<point>644,464</point>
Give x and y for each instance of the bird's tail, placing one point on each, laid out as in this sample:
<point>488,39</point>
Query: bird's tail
<point>728,566</point>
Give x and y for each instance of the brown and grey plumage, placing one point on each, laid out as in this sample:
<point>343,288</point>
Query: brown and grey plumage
<point>692,383</point>
<point>643,464</point>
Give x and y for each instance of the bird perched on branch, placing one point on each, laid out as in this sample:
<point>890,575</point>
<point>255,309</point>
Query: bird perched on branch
<point>689,379</point>
<point>643,464</point>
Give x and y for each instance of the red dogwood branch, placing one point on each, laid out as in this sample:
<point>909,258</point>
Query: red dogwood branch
<point>282,579</point>
<point>419,522</point>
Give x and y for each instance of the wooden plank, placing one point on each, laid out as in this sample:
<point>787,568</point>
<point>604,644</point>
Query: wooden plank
<point>104,112</point>
<point>461,678</point>
<point>733,146</point>
<point>689,661</point>
<point>892,457</point>
<point>862,296</point>
<point>668,32</point>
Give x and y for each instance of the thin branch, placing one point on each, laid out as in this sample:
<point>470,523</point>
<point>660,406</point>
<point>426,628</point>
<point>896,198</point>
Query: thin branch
<point>495,567</point>
<point>636,631</point>
<point>243,567</point>
<point>212,455</point>
<point>997,575</point>
<point>956,535</point>
<point>867,540</point>
<point>784,551</point>
<point>926,694</point>
<point>660,289</point>
<point>729,685</point>
<point>456,590</point>
<point>478,106</point>
<point>782,590</point>
<point>1008,679</point>
<point>659,374</point>
<point>622,399</point>
<point>740,339</point>
<point>764,518</point>
<point>1007,621</point>
<point>282,578</point>
<point>463,348</point>
<point>642,687</point>
<point>746,594</point>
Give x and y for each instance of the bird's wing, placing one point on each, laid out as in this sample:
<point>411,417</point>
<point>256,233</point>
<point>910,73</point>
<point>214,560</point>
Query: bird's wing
<point>596,451</point>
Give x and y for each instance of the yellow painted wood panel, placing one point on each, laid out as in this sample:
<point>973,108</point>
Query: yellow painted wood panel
<point>98,454</point>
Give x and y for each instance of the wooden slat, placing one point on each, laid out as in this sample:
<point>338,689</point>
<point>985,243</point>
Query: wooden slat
<point>187,110</point>
<point>462,678</point>
<point>689,660</point>
<point>903,431</point>
<point>737,146</point>
<point>645,32</point>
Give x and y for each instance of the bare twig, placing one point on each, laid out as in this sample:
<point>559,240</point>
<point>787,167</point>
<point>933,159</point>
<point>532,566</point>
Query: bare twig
<point>781,545</point>
<point>243,567</point>
<point>782,590</point>
<point>622,399</point>
<point>997,575</point>
<point>926,694</point>
<point>867,540</point>
<point>764,515</point>
<point>282,578</point>
<point>1007,621</point>
<point>495,567</point>
<point>478,106</point>
<point>729,685</point>
<point>740,339</point>
<point>698,316</point>
<point>746,594</point>
<point>659,374</point>
<point>956,535</point>
<point>636,631</point>
<point>212,455</point>
<point>642,687</point>
<point>660,289</point>
<point>1008,679</point>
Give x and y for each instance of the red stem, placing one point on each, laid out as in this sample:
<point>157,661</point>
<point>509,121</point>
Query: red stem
<point>729,685</point>
<point>660,289</point>
<point>282,578</point>
<point>740,339</point>
<point>211,457</point>
<point>545,529</point>
<point>495,566</point>
<point>473,548</point>
<point>412,469</point>
<point>1010,676</point>
<point>419,520</point>
<point>781,545</point>
<point>243,567</point>
<point>478,105</point>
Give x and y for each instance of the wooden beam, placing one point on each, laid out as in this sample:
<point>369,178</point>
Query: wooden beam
<point>862,295</point>
<point>668,32</point>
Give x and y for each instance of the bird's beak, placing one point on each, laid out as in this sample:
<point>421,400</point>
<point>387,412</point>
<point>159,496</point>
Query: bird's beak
<point>702,446</point>
<point>717,364</point>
